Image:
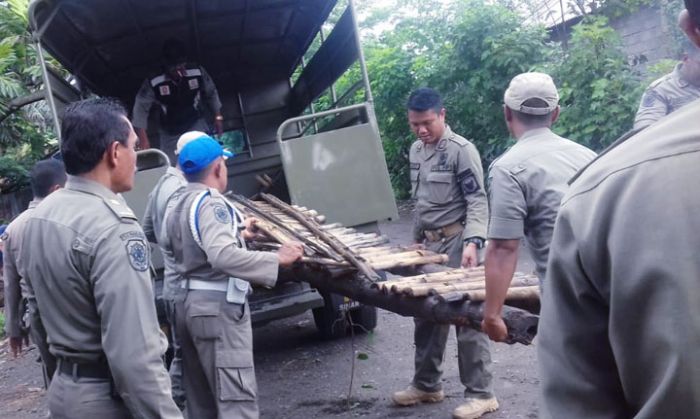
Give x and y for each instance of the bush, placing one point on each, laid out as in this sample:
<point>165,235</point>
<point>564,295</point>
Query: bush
<point>599,93</point>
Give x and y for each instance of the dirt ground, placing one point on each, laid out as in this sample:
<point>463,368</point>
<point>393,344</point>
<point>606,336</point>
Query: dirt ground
<point>300,376</point>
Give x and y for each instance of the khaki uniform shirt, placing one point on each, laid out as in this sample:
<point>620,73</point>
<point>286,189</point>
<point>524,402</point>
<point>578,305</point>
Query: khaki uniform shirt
<point>447,181</point>
<point>87,261</point>
<point>15,286</point>
<point>153,223</point>
<point>526,185</point>
<point>665,95</point>
<point>620,326</point>
<point>220,256</point>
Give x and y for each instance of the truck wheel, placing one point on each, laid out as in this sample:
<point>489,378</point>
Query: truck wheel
<point>330,319</point>
<point>364,318</point>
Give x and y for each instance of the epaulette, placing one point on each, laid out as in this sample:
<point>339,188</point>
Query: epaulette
<point>119,208</point>
<point>462,142</point>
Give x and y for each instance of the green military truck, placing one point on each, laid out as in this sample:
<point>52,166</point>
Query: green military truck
<point>331,161</point>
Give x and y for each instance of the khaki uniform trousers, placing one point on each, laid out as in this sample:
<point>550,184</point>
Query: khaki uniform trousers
<point>175,370</point>
<point>217,357</point>
<point>473,351</point>
<point>83,398</point>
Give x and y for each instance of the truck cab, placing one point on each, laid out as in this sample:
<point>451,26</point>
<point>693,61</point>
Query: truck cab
<point>270,60</point>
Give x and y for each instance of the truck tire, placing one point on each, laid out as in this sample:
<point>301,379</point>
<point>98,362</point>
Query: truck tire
<point>364,318</point>
<point>330,319</point>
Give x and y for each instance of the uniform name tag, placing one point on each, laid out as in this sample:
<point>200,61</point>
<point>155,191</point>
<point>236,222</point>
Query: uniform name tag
<point>194,84</point>
<point>164,90</point>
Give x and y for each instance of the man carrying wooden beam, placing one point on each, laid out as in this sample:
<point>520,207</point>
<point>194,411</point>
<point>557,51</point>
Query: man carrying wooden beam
<point>526,186</point>
<point>451,212</point>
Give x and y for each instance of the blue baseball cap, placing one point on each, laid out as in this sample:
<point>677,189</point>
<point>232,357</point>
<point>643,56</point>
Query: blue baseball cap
<point>199,153</point>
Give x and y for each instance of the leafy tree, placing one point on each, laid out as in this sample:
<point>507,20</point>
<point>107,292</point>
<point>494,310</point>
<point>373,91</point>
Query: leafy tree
<point>599,93</point>
<point>468,50</point>
<point>24,133</point>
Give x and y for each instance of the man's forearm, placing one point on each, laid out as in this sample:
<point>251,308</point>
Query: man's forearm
<point>143,138</point>
<point>501,260</point>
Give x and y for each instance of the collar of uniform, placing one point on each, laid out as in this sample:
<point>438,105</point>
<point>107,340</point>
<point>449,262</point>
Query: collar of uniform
<point>442,144</point>
<point>533,133</point>
<point>174,171</point>
<point>33,203</point>
<point>195,186</point>
<point>79,183</point>
<point>430,149</point>
<point>678,76</point>
<point>114,201</point>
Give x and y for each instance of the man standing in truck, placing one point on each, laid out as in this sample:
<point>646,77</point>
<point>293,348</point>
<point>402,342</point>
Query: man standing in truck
<point>451,213</point>
<point>179,92</point>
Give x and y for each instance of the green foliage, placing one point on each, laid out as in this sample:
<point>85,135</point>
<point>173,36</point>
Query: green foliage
<point>24,134</point>
<point>598,92</point>
<point>2,324</point>
<point>470,49</point>
<point>466,49</point>
<point>660,68</point>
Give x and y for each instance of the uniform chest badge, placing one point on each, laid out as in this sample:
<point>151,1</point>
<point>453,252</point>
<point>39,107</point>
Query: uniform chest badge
<point>194,84</point>
<point>164,90</point>
<point>138,254</point>
<point>221,214</point>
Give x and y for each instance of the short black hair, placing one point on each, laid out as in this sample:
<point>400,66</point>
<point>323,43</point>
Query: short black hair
<point>45,175</point>
<point>201,175</point>
<point>174,52</point>
<point>88,128</point>
<point>693,7</point>
<point>530,120</point>
<point>425,99</point>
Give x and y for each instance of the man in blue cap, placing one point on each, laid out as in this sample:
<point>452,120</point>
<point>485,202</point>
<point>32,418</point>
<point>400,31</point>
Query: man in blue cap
<point>206,240</point>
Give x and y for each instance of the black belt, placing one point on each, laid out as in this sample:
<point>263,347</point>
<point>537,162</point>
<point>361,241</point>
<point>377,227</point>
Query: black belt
<point>84,369</point>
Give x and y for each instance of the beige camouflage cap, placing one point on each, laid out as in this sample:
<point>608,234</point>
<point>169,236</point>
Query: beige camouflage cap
<point>531,86</point>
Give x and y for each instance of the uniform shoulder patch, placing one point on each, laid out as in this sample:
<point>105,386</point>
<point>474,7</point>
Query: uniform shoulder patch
<point>221,213</point>
<point>467,182</point>
<point>137,251</point>
<point>649,99</point>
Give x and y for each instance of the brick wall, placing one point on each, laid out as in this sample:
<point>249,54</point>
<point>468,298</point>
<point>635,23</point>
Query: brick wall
<point>646,36</point>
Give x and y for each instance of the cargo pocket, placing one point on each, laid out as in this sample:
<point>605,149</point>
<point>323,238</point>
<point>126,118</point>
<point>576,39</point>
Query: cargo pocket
<point>204,321</point>
<point>440,187</point>
<point>235,376</point>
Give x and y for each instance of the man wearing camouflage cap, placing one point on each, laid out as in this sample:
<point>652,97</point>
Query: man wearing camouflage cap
<point>526,186</point>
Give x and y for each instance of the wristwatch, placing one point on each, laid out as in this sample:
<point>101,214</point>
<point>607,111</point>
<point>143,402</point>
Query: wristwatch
<point>478,242</point>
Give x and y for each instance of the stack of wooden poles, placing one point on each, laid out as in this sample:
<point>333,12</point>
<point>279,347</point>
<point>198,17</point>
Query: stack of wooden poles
<point>336,246</point>
<point>458,284</point>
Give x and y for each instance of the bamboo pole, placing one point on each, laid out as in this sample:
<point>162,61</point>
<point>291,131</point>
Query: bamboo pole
<point>270,219</point>
<point>516,293</point>
<point>412,261</point>
<point>340,248</point>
